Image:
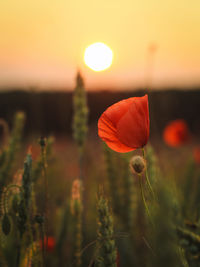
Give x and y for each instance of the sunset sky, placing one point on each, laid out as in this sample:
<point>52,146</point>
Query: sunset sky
<point>42,42</point>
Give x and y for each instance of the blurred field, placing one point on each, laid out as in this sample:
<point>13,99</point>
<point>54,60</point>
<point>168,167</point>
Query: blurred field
<point>51,112</point>
<point>104,219</point>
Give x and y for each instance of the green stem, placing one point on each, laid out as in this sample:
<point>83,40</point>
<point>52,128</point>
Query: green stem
<point>147,177</point>
<point>18,254</point>
<point>43,245</point>
<point>44,163</point>
<point>143,197</point>
<point>144,200</point>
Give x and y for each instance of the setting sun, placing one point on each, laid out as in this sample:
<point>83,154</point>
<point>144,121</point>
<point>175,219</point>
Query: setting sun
<point>98,56</point>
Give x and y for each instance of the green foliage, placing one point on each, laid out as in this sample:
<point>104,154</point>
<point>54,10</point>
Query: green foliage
<point>163,234</point>
<point>111,165</point>
<point>27,180</point>
<point>9,154</point>
<point>189,240</point>
<point>80,117</point>
<point>38,165</point>
<point>24,204</point>
<point>77,209</point>
<point>6,224</point>
<point>152,164</point>
<point>107,255</point>
<point>167,235</point>
<point>128,196</point>
<point>62,236</point>
<point>187,187</point>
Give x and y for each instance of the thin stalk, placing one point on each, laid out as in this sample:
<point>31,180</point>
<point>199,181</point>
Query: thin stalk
<point>143,197</point>
<point>144,200</point>
<point>43,245</point>
<point>46,201</point>
<point>147,177</point>
<point>18,254</point>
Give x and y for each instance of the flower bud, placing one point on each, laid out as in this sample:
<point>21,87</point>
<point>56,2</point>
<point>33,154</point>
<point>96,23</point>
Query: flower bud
<point>137,164</point>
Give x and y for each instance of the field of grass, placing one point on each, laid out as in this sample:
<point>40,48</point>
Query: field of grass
<point>73,201</point>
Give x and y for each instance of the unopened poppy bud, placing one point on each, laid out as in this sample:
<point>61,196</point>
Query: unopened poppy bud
<point>137,164</point>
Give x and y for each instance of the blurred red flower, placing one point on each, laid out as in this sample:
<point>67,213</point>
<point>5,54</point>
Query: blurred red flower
<point>49,245</point>
<point>124,126</point>
<point>196,154</point>
<point>176,133</point>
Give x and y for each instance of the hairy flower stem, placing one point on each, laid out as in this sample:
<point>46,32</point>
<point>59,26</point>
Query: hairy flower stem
<point>147,177</point>
<point>144,200</point>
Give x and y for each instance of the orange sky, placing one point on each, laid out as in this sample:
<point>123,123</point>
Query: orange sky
<point>42,41</point>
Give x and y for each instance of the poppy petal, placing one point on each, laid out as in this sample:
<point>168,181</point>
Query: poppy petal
<point>107,132</point>
<point>117,110</point>
<point>133,127</point>
<point>124,126</point>
<point>176,133</point>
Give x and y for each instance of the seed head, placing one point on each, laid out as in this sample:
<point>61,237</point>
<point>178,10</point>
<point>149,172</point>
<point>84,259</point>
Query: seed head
<point>137,164</point>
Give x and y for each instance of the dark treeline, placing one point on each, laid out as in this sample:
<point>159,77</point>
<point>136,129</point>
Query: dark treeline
<point>51,112</point>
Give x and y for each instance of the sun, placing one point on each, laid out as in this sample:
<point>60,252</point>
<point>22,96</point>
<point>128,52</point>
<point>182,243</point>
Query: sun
<point>98,56</point>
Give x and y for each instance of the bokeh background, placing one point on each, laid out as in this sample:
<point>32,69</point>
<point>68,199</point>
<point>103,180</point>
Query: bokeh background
<point>42,42</point>
<point>156,47</point>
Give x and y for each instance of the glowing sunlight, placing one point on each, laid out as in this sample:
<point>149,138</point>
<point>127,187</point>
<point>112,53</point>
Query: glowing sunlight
<point>98,56</point>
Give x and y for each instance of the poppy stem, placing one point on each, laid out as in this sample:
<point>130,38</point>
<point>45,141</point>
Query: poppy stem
<point>144,200</point>
<point>147,177</point>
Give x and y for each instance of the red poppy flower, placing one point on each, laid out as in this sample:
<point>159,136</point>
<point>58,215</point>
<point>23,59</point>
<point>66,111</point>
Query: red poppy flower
<point>196,154</point>
<point>49,245</point>
<point>176,133</point>
<point>124,126</point>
